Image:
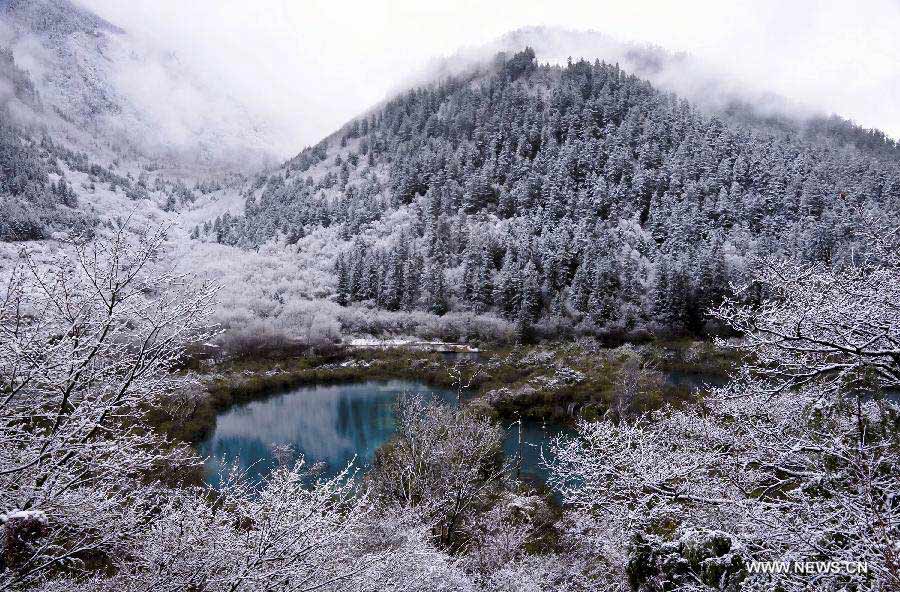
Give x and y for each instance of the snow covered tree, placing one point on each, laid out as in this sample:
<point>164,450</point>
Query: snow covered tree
<point>443,465</point>
<point>85,348</point>
<point>795,460</point>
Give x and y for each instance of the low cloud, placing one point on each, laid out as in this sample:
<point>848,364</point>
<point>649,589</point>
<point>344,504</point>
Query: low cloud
<point>308,67</point>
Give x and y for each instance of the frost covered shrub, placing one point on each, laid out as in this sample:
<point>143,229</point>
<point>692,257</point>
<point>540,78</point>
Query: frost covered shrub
<point>313,321</point>
<point>457,327</point>
<point>797,459</point>
<point>693,559</point>
<point>87,344</point>
<point>444,465</point>
<point>273,327</point>
<point>258,338</point>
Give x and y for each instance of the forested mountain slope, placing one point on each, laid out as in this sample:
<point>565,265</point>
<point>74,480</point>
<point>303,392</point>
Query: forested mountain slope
<point>32,203</point>
<point>70,155</point>
<point>48,188</point>
<point>713,90</point>
<point>568,197</point>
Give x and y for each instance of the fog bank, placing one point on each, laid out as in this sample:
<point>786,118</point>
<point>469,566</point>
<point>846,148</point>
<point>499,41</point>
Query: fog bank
<point>308,67</point>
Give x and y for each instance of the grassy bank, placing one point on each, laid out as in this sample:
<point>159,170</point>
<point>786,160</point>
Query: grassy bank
<point>565,381</point>
<point>557,381</point>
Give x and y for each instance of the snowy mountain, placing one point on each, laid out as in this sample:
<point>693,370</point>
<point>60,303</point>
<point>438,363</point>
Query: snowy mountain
<point>110,92</point>
<point>705,85</point>
<point>575,197</point>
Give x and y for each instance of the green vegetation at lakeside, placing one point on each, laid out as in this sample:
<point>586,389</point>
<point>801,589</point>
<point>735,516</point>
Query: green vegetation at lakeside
<point>558,382</point>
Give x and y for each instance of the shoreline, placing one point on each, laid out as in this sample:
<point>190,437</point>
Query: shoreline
<point>557,382</point>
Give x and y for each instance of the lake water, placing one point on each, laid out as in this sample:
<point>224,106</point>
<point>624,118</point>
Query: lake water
<point>695,380</point>
<point>336,424</point>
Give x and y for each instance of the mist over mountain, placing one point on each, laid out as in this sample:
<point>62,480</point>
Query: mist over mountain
<point>79,136</point>
<point>125,93</point>
<point>706,85</point>
<point>112,92</point>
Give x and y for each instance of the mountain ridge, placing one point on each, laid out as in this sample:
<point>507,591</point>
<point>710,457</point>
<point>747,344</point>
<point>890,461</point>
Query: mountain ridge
<point>560,197</point>
<point>677,72</point>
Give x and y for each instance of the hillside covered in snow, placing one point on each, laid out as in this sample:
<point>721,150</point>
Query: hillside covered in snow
<point>566,198</point>
<point>118,94</point>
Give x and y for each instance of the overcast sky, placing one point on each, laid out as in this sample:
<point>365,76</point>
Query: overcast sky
<point>313,64</point>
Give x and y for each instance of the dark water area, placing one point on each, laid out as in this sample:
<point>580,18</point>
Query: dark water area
<point>337,425</point>
<point>462,356</point>
<point>695,380</point>
<point>537,438</point>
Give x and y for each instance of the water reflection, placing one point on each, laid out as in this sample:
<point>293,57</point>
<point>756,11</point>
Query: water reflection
<point>335,424</point>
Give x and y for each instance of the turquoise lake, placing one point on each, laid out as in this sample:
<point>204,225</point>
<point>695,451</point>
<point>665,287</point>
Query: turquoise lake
<point>337,424</point>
